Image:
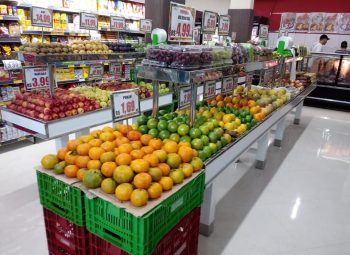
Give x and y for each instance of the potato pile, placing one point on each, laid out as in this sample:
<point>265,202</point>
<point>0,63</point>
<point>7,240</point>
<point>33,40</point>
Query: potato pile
<point>76,47</point>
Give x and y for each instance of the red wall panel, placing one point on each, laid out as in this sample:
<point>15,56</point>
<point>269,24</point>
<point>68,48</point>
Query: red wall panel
<point>273,8</point>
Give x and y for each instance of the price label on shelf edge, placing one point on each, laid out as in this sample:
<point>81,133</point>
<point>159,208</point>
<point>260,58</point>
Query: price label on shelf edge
<point>182,19</point>
<point>37,78</point>
<point>146,25</point>
<point>96,71</point>
<point>185,96</point>
<point>116,70</point>
<point>224,24</point>
<point>227,85</point>
<point>209,89</point>
<point>41,17</point>
<point>12,64</point>
<point>209,22</point>
<point>88,21</point>
<point>125,104</point>
<point>117,23</point>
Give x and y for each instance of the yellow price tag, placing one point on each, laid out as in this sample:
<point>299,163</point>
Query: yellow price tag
<point>70,66</point>
<point>17,81</point>
<point>82,65</point>
<point>1,17</point>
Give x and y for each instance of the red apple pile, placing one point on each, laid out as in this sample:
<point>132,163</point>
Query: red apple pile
<point>40,105</point>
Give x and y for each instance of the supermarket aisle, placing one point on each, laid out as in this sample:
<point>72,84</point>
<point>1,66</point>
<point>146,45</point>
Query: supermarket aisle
<point>299,205</point>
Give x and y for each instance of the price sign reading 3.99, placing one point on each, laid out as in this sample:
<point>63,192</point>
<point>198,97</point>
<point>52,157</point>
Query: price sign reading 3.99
<point>185,96</point>
<point>125,104</point>
<point>209,89</point>
<point>41,17</point>
<point>227,85</point>
<point>117,23</point>
<point>88,21</point>
<point>37,78</point>
<point>181,23</point>
<point>224,24</point>
<point>209,22</point>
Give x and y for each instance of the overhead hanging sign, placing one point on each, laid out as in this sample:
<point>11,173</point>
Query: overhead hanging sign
<point>182,20</point>
<point>125,104</point>
<point>146,26</point>
<point>41,17</point>
<point>224,24</point>
<point>88,21</point>
<point>37,78</point>
<point>209,21</point>
<point>117,23</point>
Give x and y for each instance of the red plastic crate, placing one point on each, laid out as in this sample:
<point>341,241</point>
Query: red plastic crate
<point>65,237</point>
<point>181,240</point>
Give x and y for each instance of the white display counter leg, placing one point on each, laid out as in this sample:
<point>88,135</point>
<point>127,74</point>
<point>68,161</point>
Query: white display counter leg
<point>279,133</point>
<point>208,211</point>
<point>82,132</point>
<point>263,146</point>
<point>61,142</point>
<point>298,110</point>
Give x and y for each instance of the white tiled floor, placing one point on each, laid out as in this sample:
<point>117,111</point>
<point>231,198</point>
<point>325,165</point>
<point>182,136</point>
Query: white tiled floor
<point>298,205</point>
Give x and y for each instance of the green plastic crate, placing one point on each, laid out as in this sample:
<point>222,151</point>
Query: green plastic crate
<point>140,235</point>
<point>63,199</point>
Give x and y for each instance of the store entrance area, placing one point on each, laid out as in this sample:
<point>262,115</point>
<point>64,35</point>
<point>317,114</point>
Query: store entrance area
<point>298,205</point>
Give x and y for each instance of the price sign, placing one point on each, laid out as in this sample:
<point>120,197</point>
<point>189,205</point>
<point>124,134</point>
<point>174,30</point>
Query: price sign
<point>37,78</point>
<point>207,37</point>
<point>125,104</point>
<point>96,71</point>
<point>249,80</point>
<point>116,70</point>
<point>117,23</point>
<point>146,26</point>
<point>224,24</point>
<point>209,89</point>
<point>88,21</point>
<point>185,96</point>
<point>264,31</point>
<point>181,25</point>
<point>12,64</point>
<point>41,17</point>
<point>209,22</point>
<point>227,85</point>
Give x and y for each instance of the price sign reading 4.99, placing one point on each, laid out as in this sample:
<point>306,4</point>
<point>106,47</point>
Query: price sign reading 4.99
<point>185,97</point>
<point>37,78</point>
<point>209,22</point>
<point>209,89</point>
<point>224,24</point>
<point>117,23</point>
<point>125,104</point>
<point>181,25</point>
<point>41,17</point>
<point>96,71</point>
<point>227,85</point>
<point>146,25</point>
<point>88,21</point>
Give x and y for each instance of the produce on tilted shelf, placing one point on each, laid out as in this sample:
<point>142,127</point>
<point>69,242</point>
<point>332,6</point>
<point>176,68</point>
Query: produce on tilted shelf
<point>102,97</point>
<point>120,47</point>
<point>40,105</point>
<point>163,89</point>
<point>123,162</point>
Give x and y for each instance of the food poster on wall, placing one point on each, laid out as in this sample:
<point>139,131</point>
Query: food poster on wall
<point>317,22</point>
<point>344,23</point>
<point>288,21</point>
<point>330,22</point>
<point>302,22</point>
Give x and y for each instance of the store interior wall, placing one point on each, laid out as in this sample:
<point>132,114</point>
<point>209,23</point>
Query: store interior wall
<point>219,6</point>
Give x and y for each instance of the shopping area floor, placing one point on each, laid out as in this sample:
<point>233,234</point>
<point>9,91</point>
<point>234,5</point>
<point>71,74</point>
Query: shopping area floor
<point>298,205</point>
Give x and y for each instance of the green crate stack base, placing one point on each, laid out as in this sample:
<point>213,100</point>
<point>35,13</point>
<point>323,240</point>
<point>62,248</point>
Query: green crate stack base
<point>140,235</point>
<point>63,199</point>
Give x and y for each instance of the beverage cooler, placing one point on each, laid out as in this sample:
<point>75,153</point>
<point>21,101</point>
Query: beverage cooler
<point>333,79</point>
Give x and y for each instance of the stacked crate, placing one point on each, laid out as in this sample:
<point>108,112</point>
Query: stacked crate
<point>78,224</point>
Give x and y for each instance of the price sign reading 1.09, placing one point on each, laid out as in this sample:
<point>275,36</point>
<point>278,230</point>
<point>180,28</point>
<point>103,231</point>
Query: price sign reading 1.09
<point>37,78</point>
<point>41,17</point>
<point>125,104</point>
<point>88,21</point>
<point>185,96</point>
<point>116,70</point>
<point>181,23</point>
<point>224,24</point>
<point>227,85</point>
<point>146,25</point>
<point>209,89</point>
<point>96,71</point>
<point>209,22</point>
<point>117,23</point>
